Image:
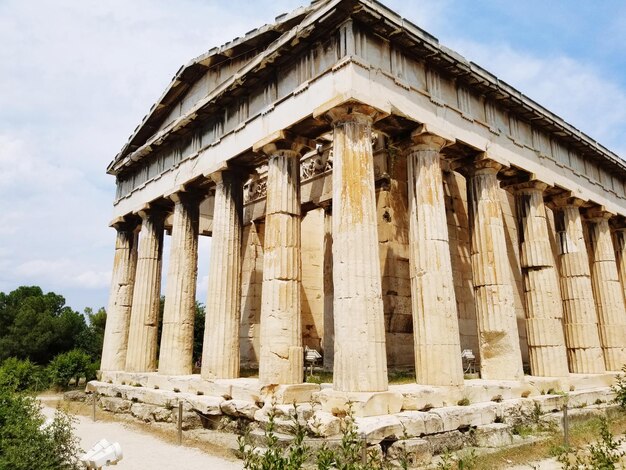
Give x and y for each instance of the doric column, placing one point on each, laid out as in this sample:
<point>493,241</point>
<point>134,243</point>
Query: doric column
<point>435,321</point>
<point>360,357</point>
<point>544,310</point>
<point>281,360</point>
<point>220,351</point>
<point>620,255</point>
<point>144,317</point>
<point>176,353</point>
<point>120,298</point>
<point>580,320</point>
<point>607,290</point>
<point>500,355</point>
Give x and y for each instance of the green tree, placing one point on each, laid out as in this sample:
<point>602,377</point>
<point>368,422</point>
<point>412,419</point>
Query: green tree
<point>37,326</point>
<point>28,442</point>
<point>92,337</point>
<point>72,365</point>
<point>22,375</point>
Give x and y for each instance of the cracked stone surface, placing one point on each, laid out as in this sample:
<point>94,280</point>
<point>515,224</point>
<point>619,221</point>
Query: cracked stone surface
<point>144,318</point>
<point>435,323</point>
<point>175,355</point>
<point>608,293</point>
<point>544,310</point>
<point>360,362</point>
<point>497,325</point>
<point>115,344</point>
<point>220,354</point>
<point>580,319</point>
<point>281,358</point>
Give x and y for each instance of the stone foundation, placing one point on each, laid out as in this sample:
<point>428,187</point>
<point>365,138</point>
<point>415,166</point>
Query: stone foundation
<point>410,419</point>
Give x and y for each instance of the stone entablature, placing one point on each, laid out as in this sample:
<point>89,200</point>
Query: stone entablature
<point>475,97</point>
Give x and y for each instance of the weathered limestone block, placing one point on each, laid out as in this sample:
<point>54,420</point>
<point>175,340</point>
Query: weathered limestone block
<point>206,405</point>
<point>220,353</point>
<point>377,428</point>
<point>360,363</point>
<point>456,417</point>
<point>115,404</point>
<point>175,355</point>
<point>500,355</point>
<point>435,323</point>
<point>580,320</point>
<point>142,411</point>
<point>363,403</point>
<point>239,408</point>
<point>281,360</point>
<point>544,310</point>
<point>289,394</point>
<point>416,452</point>
<point>324,424</point>
<point>422,396</point>
<point>608,292</point>
<point>413,422</point>
<point>120,299</point>
<point>446,441</point>
<point>493,435</point>
<point>144,318</point>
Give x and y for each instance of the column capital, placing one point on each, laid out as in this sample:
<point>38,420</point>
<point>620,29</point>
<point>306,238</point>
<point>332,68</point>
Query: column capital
<point>127,223</point>
<point>284,143</point>
<point>528,186</point>
<point>353,112</point>
<point>226,173</point>
<point>598,213</point>
<point>481,165</point>
<point>565,200</point>
<point>186,195</point>
<point>151,211</point>
<point>422,139</point>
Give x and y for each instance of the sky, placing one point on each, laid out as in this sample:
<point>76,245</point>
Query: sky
<point>77,76</point>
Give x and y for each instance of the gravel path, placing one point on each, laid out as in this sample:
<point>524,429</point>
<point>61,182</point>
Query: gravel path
<point>144,451</point>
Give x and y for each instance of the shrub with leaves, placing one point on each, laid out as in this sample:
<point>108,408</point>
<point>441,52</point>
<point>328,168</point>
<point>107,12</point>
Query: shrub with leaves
<point>602,455</point>
<point>27,442</point>
<point>21,375</point>
<point>620,389</point>
<point>72,365</point>
<point>274,456</point>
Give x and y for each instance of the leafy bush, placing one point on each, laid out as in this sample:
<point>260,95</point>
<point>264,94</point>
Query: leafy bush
<point>23,375</point>
<point>72,365</point>
<point>26,442</point>
<point>620,389</point>
<point>603,455</point>
<point>275,457</point>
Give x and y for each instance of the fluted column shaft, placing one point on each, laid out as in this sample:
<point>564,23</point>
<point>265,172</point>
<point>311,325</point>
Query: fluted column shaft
<point>176,352</point>
<point>281,360</point>
<point>360,363</point>
<point>620,255</point>
<point>500,355</point>
<point>144,317</point>
<point>220,353</point>
<point>435,321</point>
<point>580,319</point>
<point>120,300</point>
<point>544,310</point>
<point>608,293</point>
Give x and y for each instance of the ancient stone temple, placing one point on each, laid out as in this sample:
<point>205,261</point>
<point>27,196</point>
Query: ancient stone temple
<point>374,196</point>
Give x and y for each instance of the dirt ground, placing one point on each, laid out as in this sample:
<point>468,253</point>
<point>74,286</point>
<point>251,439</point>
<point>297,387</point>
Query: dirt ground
<point>142,450</point>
